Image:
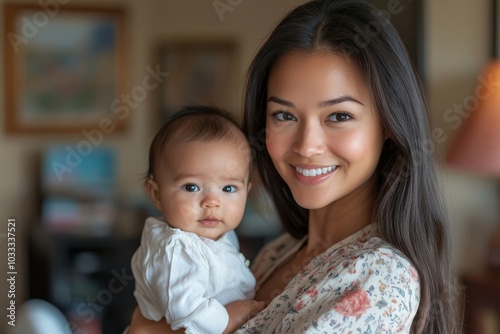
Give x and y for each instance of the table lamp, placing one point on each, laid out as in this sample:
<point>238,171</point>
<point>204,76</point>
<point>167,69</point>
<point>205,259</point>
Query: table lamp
<point>476,147</point>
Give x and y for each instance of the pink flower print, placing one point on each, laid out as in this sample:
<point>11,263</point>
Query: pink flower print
<point>414,274</point>
<point>313,292</point>
<point>353,303</point>
<point>299,306</point>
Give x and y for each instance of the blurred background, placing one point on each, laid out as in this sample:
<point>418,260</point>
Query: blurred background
<point>87,83</point>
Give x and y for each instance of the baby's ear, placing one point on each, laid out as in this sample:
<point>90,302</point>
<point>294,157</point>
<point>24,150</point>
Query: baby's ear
<point>153,191</point>
<point>249,186</point>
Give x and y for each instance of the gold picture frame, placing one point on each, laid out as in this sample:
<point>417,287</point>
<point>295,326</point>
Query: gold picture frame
<point>64,68</point>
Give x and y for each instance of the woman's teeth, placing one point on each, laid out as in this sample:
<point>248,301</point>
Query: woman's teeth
<point>315,171</point>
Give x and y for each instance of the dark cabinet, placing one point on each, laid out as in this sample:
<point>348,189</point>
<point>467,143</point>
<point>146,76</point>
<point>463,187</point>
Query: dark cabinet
<point>87,277</point>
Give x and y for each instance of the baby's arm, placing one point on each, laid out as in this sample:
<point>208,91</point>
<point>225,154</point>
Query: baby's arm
<point>241,311</point>
<point>182,295</point>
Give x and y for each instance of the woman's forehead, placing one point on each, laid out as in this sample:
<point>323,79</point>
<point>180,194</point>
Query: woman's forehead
<point>319,76</point>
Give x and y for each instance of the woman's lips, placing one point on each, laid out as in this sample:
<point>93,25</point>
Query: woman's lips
<point>313,175</point>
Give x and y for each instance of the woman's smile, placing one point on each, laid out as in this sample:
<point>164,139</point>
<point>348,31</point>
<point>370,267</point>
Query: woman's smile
<point>313,175</point>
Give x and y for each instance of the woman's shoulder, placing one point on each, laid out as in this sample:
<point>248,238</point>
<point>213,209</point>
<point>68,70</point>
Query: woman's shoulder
<point>375,246</point>
<point>372,254</point>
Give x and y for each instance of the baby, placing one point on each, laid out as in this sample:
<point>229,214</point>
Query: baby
<point>188,268</point>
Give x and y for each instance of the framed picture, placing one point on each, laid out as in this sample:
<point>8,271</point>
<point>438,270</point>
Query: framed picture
<point>64,67</point>
<point>202,72</point>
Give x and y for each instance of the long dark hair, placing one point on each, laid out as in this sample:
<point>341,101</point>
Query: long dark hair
<point>409,213</point>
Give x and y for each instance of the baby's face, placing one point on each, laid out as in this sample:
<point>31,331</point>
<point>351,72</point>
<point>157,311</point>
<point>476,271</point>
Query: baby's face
<point>203,186</point>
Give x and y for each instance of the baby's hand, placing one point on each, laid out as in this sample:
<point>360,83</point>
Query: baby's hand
<point>241,311</point>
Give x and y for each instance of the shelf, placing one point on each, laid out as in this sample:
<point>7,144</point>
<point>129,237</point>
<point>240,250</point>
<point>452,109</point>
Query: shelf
<point>87,277</point>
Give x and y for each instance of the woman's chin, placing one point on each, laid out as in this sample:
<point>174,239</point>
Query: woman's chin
<point>310,203</point>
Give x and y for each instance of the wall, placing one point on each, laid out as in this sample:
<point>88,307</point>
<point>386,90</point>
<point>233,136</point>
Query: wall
<point>458,41</point>
<point>456,48</point>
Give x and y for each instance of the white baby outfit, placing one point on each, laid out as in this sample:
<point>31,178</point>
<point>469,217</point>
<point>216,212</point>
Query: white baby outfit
<point>188,279</point>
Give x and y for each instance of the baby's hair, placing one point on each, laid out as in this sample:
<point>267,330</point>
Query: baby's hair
<point>195,123</point>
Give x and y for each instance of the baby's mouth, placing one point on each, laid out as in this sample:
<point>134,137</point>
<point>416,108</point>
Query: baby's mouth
<point>209,221</point>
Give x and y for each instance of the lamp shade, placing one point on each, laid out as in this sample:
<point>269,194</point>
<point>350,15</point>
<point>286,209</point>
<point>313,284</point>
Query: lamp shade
<point>476,147</point>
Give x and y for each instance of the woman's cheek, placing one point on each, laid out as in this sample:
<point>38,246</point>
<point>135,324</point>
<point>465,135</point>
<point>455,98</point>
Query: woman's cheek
<point>273,142</point>
<point>353,145</point>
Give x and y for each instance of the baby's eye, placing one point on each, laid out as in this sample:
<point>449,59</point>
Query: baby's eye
<point>283,116</point>
<point>190,187</point>
<point>229,189</point>
<point>340,117</point>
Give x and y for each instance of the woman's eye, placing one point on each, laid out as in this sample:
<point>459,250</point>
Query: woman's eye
<point>283,116</point>
<point>340,117</point>
<point>191,187</point>
<point>229,189</point>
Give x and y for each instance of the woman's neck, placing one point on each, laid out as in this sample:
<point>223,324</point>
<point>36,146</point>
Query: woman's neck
<point>340,219</point>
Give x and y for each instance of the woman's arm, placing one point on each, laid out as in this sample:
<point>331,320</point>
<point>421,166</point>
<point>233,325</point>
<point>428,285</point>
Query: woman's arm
<point>141,325</point>
<point>239,312</point>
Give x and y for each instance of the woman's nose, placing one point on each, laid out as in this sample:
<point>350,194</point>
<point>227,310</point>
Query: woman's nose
<point>309,141</point>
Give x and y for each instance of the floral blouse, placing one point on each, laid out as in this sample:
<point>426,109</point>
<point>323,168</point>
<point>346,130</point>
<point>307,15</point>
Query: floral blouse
<point>359,285</point>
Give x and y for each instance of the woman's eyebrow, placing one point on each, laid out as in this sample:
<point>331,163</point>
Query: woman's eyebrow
<point>323,104</point>
<point>340,99</point>
<point>280,101</point>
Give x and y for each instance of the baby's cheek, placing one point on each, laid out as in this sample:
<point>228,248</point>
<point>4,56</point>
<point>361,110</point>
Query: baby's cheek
<point>237,211</point>
<point>179,212</point>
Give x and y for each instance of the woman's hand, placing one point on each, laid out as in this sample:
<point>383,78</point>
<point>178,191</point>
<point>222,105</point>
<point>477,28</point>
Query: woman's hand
<point>241,311</point>
<point>141,325</point>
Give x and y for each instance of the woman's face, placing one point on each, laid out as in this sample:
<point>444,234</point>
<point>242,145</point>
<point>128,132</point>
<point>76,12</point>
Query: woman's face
<point>323,131</point>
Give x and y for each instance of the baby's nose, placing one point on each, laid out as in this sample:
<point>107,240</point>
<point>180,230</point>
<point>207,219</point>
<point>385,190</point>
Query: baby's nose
<point>210,201</point>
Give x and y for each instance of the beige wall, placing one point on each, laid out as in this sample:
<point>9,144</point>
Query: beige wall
<point>458,41</point>
<point>456,48</point>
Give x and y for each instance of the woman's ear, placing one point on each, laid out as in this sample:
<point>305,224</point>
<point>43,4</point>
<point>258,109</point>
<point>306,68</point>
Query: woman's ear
<point>153,191</point>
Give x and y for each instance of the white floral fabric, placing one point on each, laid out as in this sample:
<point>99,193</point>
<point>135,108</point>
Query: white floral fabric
<point>359,285</point>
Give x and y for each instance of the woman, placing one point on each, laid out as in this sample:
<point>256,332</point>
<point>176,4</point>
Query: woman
<point>340,128</point>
